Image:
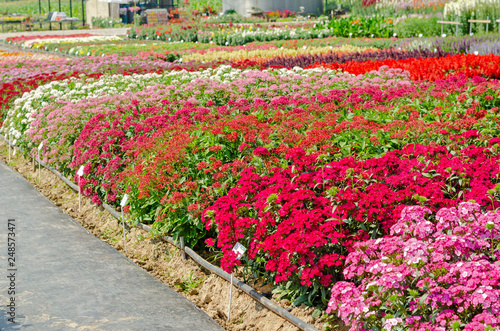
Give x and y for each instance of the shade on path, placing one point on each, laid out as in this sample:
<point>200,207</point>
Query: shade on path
<point>67,279</point>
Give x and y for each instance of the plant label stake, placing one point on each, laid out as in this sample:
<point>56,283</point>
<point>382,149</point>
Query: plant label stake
<point>80,174</point>
<point>183,251</point>
<point>240,250</point>
<point>39,170</point>
<point>122,205</point>
<point>8,139</point>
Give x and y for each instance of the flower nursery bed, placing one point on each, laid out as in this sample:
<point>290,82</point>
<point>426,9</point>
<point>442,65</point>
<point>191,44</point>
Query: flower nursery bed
<point>164,261</point>
<point>85,45</point>
<point>343,170</point>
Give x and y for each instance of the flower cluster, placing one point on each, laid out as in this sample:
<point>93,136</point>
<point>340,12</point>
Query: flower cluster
<point>434,272</point>
<point>430,68</point>
<point>296,218</point>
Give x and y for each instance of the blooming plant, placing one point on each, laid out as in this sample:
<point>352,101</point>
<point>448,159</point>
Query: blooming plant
<point>375,26</point>
<point>300,165</point>
<point>430,68</point>
<point>338,57</point>
<point>302,220</point>
<point>434,272</point>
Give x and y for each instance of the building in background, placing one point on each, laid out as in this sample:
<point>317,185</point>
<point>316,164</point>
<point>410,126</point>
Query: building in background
<point>245,7</point>
<point>115,9</point>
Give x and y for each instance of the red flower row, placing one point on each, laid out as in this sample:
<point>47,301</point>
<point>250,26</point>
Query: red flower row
<point>430,68</point>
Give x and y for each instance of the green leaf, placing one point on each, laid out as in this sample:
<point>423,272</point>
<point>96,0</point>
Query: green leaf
<point>422,299</point>
<point>300,300</point>
<point>317,313</point>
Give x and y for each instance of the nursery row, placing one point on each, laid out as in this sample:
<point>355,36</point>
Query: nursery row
<point>199,139</point>
<point>333,51</point>
<point>133,47</point>
<point>309,168</point>
<point>374,26</point>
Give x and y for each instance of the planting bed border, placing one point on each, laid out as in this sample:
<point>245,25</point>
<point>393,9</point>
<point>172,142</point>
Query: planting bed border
<point>18,48</point>
<point>270,305</point>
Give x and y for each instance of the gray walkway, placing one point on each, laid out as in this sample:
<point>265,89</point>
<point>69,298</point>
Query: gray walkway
<point>67,279</point>
<point>102,32</point>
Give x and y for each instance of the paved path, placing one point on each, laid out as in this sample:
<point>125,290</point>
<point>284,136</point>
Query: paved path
<point>67,279</point>
<point>102,32</point>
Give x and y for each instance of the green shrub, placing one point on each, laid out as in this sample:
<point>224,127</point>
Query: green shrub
<point>416,26</point>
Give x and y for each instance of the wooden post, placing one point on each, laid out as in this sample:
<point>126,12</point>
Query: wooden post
<point>83,13</point>
<point>486,21</point>
<point>50,18</point>
<point>60,24</point>
<point>71,12</point>
<point>40,11</point>
<point>183,250</point>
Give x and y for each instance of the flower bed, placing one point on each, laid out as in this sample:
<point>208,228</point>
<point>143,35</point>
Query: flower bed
<point>229,36</point>
<point>435,272</point>
<point>307,60</point>
<point>428,69</point>
<point>41,41</point>
<point>260,56</point>
<point>304,167</point>
<point>21,40</point>
<point>116,139</point>
<point>24,73</point>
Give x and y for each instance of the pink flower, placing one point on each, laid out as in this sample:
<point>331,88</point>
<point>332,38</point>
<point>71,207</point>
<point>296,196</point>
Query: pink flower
<point>210,242</point>
<point>261,151</point>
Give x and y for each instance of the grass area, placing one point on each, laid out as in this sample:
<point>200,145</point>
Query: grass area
<point>30,7</point>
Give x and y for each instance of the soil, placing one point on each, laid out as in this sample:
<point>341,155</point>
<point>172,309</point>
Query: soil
<point>163,260</point>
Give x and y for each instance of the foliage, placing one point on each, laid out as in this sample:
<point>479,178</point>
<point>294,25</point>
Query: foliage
<point>419,27</point>
<point>30,8</point>
<point>361,26</point>
<point>339,58</point>
<point>106,22</point>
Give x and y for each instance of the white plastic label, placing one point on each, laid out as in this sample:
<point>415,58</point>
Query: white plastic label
<point>124,200</point>
<point>80,171</point>
<point>240,250</point>
<point>40,146</point>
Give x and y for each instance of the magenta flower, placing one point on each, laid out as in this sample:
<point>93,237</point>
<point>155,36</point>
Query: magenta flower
<point>261,151</point>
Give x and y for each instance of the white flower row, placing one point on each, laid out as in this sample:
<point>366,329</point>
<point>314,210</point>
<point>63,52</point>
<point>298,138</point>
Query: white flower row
<point>460,7</point>
<point>32,42</point>
<point>73,90</point>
